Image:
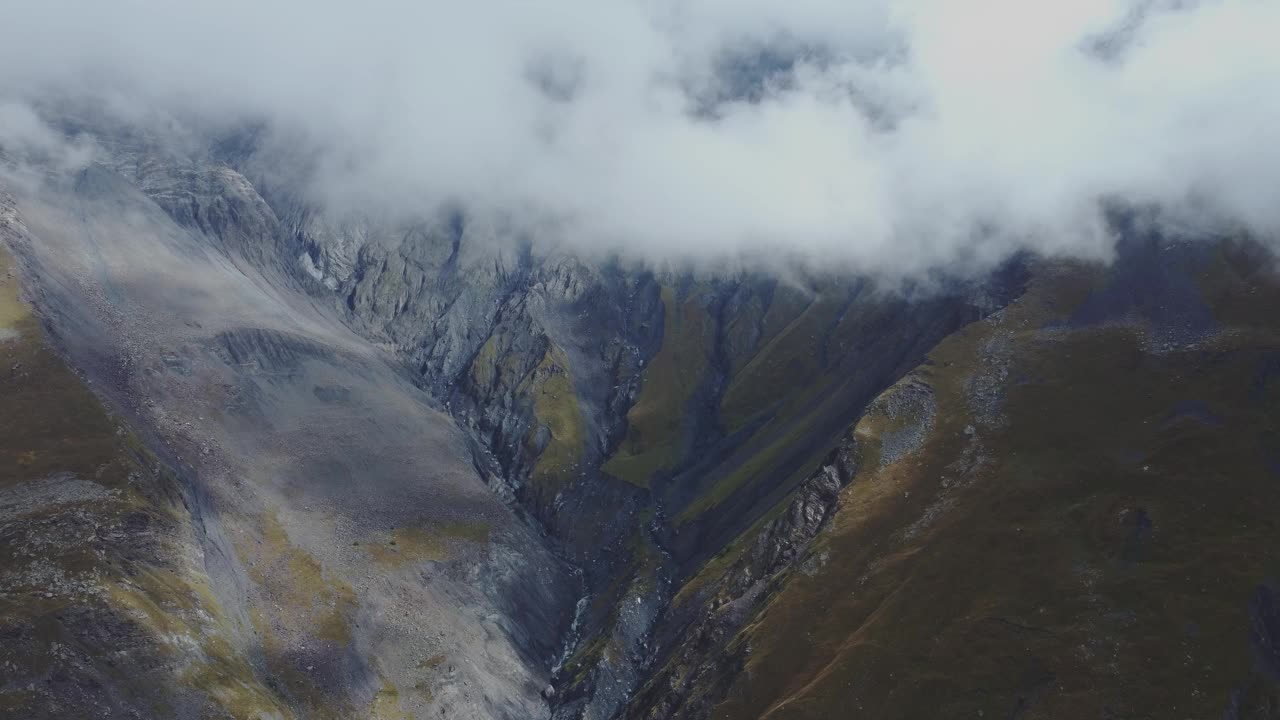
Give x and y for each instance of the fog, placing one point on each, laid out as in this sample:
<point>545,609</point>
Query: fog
<point>892,135</point>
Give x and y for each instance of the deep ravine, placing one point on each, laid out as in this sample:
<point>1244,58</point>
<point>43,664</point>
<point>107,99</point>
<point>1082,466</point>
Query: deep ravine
<point>424,468</point>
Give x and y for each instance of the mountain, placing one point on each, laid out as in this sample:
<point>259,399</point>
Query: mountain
<point>264,459</point>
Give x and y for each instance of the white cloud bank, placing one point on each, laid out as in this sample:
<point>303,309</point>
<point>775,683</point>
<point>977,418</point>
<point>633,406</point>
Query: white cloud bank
<point>892,134</point>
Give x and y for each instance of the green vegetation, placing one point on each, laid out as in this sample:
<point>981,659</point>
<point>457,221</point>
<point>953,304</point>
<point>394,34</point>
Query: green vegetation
<point>51,422</point>
<point>787,362</point>
<point>760,464</point>
<point>557,435</point>
<point>786,304</point>
<point>293,579</point>
<point>493,367</point>
<point>299,601</point>
<point>386,704</point>
<point>556,407</point>
<point>1092,556</point>
<point>786,384</point>
<point>715,568</point>
<point>655,438</point>
<point>425,542</point>
<point>586,657</point>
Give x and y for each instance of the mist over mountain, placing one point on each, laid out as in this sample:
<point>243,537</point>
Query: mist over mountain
<point>891,136</point>
<point>639,360</point>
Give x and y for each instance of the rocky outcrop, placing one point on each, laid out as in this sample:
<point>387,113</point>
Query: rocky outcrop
<point>698,649</point>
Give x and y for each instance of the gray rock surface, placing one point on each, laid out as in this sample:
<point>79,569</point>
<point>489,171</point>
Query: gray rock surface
<point>309,451</point>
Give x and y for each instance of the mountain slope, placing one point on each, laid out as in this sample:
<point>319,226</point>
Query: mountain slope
<point>105,606</point>
<point>360,562</point>
<point>1056,515</point>
<point>434,468</point>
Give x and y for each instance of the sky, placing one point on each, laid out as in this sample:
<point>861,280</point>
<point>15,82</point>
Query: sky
<point>892,135</point>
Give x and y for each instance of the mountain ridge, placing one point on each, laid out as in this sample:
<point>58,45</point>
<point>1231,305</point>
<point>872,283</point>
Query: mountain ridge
<point>440,473</point>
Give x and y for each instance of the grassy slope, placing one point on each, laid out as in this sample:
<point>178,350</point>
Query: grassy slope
<point>1097,561</point>
<point>789,358</point>
<point>801,388</point>
<point>556,407</point>
<point>557,437</point>
<point>655,439</point>
<point>789,387</point>
<point>779,382</point>
<point>786,388</point>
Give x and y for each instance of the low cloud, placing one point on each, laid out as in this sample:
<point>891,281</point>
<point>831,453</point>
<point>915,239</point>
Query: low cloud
<point>26,140</point>
<point>893,135</point>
